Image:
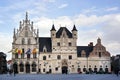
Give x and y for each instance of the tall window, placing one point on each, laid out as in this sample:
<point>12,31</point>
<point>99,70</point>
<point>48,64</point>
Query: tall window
<point>29,41</point>
<point>58,57</point>
<point>23,41</point>
<point>44,57</point>
<point>22,55</point>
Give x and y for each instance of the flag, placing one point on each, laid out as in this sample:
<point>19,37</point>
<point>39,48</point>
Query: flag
<point>34,51</point>
<point>15,51</point>
<point>28,51</point>
<point>20,51</point>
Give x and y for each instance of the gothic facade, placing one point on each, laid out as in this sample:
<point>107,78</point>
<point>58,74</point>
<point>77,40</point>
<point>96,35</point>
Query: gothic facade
<point>56,54</point>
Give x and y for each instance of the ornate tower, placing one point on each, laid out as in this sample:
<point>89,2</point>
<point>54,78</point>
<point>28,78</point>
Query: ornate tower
<point>25,47</point>
<point>53,31</point>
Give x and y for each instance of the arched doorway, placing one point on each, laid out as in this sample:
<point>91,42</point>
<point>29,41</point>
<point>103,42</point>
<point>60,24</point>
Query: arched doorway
<point>33,67</point>
<point>27,67</point>
<point>64,66</point>
<point>64,70</point>
<point>15,67</point>
<point>21,65</point>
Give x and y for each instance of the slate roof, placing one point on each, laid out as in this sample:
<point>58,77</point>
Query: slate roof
<point>74,28</point>
<point>53,28</point>
<point>45,41</point>
<point>87,49</point>
<point>59,32</point>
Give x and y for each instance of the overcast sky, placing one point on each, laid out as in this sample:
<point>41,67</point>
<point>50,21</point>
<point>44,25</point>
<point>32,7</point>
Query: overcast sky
<point>93,19</point>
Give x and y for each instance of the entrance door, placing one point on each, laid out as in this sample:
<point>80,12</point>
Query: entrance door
<point>64,70</point>
<point>27,68</point>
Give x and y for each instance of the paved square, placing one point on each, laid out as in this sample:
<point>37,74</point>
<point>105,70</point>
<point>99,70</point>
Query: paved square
<point>60,77</point>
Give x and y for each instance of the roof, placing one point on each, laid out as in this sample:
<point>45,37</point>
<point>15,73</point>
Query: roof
<point>87,49</point>
<point>59,32</point>
<point>45,41</point>
<point>53,28</point>
<point>74,28</point>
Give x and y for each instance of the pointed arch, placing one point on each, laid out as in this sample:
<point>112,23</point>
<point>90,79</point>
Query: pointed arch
<point>27,66</point>
<point>23,41</point>
<point>21,65</point>
<point>33,67</point>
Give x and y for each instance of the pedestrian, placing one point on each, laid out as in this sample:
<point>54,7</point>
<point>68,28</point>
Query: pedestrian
<point>14,72</point>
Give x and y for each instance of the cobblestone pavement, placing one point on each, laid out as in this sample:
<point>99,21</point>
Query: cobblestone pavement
<point>60,77</point>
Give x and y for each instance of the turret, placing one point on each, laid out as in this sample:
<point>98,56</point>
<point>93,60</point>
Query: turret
<point>32,25</point>
<point>98,41</point>
<point>20,27</point>
<point>14,35</point>
<point>53,32</point>
<point>74,32</point>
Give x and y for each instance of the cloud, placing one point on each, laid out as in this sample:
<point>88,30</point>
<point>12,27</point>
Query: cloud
<point>112,9</point>
<point>50,1</point>
<point>89,28</point>
<point>1,22</point>
<point>5,44</point>
<point>63,6</point>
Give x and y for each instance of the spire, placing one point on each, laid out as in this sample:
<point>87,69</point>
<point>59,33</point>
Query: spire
<point>32,25</point>
<point>26,17</point>
<point>53,28</point>
<point>37,32</point>
<point>14,36</point>
<point>20,25</point>
<point>74,28</point>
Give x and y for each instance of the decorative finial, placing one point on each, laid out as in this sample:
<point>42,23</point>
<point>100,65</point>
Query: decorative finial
<point>26,16</point>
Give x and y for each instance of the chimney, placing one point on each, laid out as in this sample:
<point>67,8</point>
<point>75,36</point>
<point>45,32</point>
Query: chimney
<point>90,44</point>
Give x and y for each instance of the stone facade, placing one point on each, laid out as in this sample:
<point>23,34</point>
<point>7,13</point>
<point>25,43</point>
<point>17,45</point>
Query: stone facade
<point>56,54</point>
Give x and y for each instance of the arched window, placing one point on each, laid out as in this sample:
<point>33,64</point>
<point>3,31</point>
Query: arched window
<point>84,69</point>
<point>29,41</point>
<point>79,70</point>
<point>33,67</point>
<point>99,54</point>
<point>95,69</point>
<point>21,67</point>
<point>22,55</point>
<point>23,41</point>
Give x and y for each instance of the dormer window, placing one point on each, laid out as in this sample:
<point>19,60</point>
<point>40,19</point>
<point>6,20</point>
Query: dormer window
<point>44,49</point>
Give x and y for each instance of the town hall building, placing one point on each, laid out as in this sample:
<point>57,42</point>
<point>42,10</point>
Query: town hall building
<point>58,53</point>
